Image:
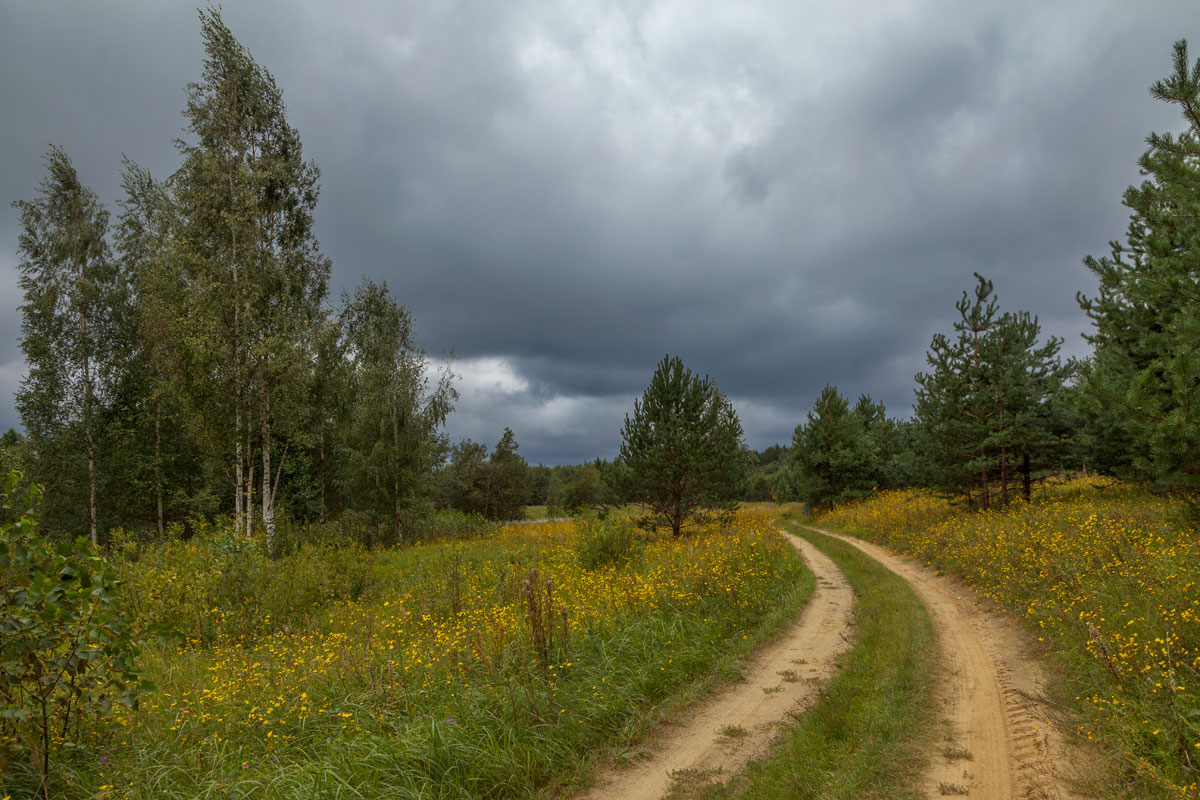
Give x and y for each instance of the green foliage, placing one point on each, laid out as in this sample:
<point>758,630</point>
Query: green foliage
<point>71,301</point>
<point>201,371</point>
<point>539,484</point>
<point>392,443</point>
<point>833,457</point>
<point>452,524</point>
<point>463,481</point>
<point>682,454</point>
<point>509,480</point>
<point>574,489</point>
<point>495,487</point>
<point>219,585</point>
<point>987,412</point>
<point>769,476</point>
<point>66,645</point>
<point>1145,372</point>
<point>608,542</point>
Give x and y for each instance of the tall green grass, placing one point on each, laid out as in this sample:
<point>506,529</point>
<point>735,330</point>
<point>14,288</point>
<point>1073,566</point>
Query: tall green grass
<point>322,707</point>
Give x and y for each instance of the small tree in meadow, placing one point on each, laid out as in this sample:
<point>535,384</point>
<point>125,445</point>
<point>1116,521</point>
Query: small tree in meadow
<point>682,450</point>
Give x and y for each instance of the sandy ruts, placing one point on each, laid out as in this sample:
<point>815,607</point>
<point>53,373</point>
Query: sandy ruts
<point>1001,741</point>
<point>791,670</point>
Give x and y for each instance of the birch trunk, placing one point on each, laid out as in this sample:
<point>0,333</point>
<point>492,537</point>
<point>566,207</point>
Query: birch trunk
<point>239,486</point>
<point>268,491</point>
<point>91,459</point>
<point>248,487</point>
<point>158,486</point>
<point>395,467</point>
<point>87,417</point>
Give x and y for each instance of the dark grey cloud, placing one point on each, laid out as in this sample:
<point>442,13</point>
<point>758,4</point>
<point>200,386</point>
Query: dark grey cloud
<point>784,194</point>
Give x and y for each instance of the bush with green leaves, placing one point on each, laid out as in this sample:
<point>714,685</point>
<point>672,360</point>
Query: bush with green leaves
<point>611,541</point>
<point>66,645</point>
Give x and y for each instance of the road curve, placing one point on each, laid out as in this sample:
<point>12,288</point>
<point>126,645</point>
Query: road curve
<point>782,675</point>
<point>1002,741</point>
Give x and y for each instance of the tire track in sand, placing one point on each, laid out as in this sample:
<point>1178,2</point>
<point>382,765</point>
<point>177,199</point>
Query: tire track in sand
<point>1003,740</point>
<point>782,675</point>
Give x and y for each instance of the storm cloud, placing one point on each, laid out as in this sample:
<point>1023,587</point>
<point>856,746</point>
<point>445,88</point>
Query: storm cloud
<point>784,194</point>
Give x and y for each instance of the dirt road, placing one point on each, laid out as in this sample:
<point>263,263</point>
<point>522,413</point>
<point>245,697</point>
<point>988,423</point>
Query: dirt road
<point>724,733</point>
<point>1001,739</point>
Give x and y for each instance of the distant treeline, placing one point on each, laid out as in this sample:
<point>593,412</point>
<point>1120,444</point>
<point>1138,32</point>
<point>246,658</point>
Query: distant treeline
<point>187,362</point>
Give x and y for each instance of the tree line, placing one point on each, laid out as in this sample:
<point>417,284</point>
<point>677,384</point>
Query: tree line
<point>998,408</point>
<point>187,361</point>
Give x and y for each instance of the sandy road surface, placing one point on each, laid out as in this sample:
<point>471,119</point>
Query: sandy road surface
<point>1001,741</point>
<point>782,675</point>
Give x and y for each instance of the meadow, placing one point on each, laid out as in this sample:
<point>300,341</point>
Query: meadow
<point>501,666</point>
<point>1107,577</point>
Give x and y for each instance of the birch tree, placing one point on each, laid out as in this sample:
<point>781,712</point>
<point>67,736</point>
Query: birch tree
<point>245,282</point>
<point>400,406</point>
<point>68,279</point>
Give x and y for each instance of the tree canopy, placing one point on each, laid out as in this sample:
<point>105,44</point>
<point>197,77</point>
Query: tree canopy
<point>1145,371</point>
<point>682,450</point>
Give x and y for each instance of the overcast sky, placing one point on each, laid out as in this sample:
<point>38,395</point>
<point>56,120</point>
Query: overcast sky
<point>784,194</point>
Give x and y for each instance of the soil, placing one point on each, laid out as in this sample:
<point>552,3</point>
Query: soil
<point>724,732</point>
<point>1002,736</point>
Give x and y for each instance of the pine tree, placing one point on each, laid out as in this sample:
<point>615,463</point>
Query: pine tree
<point>832,455</point>
<point>1145,371</point>
<point>69,281</point>
<point>509,479</point>
<point>682,448</point>
<point>984,413</point>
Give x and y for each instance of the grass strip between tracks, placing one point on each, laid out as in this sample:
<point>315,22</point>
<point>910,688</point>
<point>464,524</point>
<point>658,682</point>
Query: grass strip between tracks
<point>868,735</point>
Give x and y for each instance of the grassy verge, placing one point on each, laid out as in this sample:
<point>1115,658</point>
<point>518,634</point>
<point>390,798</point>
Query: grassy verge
<point>1108,578</point>
<point>867,736</point>
<point>496,667</point>
<point>536,512</point>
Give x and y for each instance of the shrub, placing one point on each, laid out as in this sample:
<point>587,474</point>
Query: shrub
<point>607,542</point>
<point>66,646</point>
<point>453,524</point>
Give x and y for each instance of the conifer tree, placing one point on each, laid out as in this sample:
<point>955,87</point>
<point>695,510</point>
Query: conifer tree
<point>888,443</point>
<point>682,451</point>
<point>509,479</point>
<point>832,455</point>
<point>1145,371</point>
<point>984,412</point>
